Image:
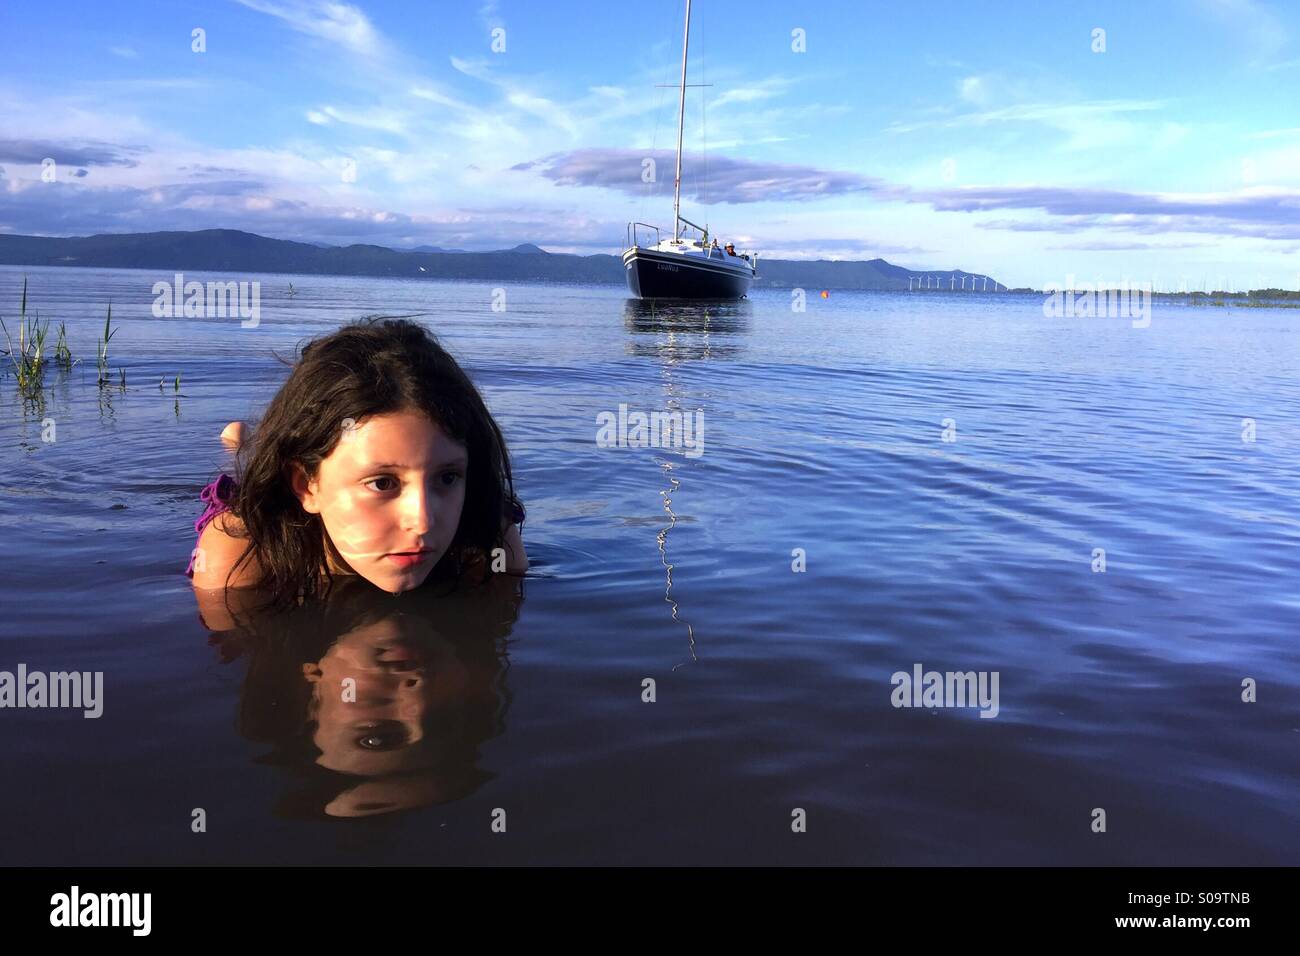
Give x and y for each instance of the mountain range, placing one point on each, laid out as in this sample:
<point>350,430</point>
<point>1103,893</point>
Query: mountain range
<point>230,250</point>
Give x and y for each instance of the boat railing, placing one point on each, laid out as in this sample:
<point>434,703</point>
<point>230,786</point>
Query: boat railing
<point>632,239</point>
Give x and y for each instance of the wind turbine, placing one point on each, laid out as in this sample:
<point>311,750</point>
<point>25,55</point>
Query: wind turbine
<point>952,283</point>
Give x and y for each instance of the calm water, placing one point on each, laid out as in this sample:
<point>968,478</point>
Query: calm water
<point>823,432</point>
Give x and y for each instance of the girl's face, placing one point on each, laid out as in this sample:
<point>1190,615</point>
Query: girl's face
<point>390,496</point>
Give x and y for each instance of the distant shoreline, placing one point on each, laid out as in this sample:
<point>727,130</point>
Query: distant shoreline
<point>1255,298</point>
<point>227,250</point>
<point>231,251</point>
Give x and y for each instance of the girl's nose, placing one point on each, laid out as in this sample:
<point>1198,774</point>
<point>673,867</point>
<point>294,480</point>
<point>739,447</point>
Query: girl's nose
<point>416,514</point>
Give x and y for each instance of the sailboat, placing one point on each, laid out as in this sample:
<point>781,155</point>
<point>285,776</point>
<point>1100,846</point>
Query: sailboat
<point>681,267</point>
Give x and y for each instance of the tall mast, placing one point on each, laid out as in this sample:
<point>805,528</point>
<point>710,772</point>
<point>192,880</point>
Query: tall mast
<point>681,122</point>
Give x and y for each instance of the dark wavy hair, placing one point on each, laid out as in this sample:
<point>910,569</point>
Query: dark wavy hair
<point>371,367</point>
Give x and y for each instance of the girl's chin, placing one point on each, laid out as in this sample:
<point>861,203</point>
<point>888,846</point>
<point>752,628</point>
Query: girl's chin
<point>402,581</point>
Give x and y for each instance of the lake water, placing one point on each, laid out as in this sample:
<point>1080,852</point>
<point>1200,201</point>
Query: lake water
<point>949,466</point>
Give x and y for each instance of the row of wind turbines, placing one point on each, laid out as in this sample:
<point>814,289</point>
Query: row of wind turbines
<point>925,282</point>
<point>1206,288</point>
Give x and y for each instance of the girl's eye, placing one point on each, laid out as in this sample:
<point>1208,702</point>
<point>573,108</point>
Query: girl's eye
<point>387,483</point>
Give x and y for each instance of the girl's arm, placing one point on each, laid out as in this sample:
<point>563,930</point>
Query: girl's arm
<point>227,611</point>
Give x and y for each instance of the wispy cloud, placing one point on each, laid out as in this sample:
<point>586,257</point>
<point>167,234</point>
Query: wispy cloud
<point>1063,115</point>
<point>386,121</point>
<point>1255,213</point>
<point>836,247</point>
<point>489,14</point>
<point>1127,245</point>
<point>1252,205</point>
<point>765,89</point>
<point>519,95</point>
<point>338,23</point>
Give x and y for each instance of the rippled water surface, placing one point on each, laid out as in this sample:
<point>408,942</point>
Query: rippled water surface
<point>824,431</point>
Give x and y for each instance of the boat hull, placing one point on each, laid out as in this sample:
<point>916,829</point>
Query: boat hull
<point>658,275</point>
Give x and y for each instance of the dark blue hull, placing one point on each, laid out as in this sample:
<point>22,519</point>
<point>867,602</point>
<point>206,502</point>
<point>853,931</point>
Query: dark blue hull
<point>652,275</point>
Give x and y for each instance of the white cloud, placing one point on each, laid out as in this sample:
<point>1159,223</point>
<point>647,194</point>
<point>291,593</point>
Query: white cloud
<point>1064,115</point>
<point>334,22</point>
<point>425,92</point>
<point>973,90</point>
<point>478,69</point>
<point>386,121</point>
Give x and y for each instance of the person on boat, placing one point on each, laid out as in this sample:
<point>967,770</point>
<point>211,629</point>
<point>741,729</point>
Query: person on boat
<point>731,249</point>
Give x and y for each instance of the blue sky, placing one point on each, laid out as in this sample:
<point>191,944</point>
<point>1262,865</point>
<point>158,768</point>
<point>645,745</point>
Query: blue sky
<point>990,138</point>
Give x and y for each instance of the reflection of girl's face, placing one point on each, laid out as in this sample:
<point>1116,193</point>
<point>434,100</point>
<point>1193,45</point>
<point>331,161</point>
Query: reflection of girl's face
<point>390,496</point>
<point>398,682</point>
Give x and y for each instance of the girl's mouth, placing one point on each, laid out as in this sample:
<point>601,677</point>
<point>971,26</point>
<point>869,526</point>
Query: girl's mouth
<point>408,559</point>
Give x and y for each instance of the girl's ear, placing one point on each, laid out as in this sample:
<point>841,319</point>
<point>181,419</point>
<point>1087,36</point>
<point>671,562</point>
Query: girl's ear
<point>312,672</point>
<point>304,488</point>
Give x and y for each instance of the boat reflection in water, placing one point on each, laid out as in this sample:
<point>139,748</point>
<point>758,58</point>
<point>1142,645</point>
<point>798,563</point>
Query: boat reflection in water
<point>376,703</point>
<point>683,330</point>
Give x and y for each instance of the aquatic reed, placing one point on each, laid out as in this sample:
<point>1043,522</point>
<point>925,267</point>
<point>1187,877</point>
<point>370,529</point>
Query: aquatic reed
<point>28,359</point>
<point>101,360</point>
<point>62,354</point>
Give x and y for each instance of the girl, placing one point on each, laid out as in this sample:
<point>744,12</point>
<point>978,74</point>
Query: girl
<point>376,458</point>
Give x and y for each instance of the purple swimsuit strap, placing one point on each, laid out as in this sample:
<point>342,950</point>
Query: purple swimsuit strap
<point>217,494</point>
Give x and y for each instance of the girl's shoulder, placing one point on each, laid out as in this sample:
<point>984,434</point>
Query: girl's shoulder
<point>222,543</point>
<point>220,547</point>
